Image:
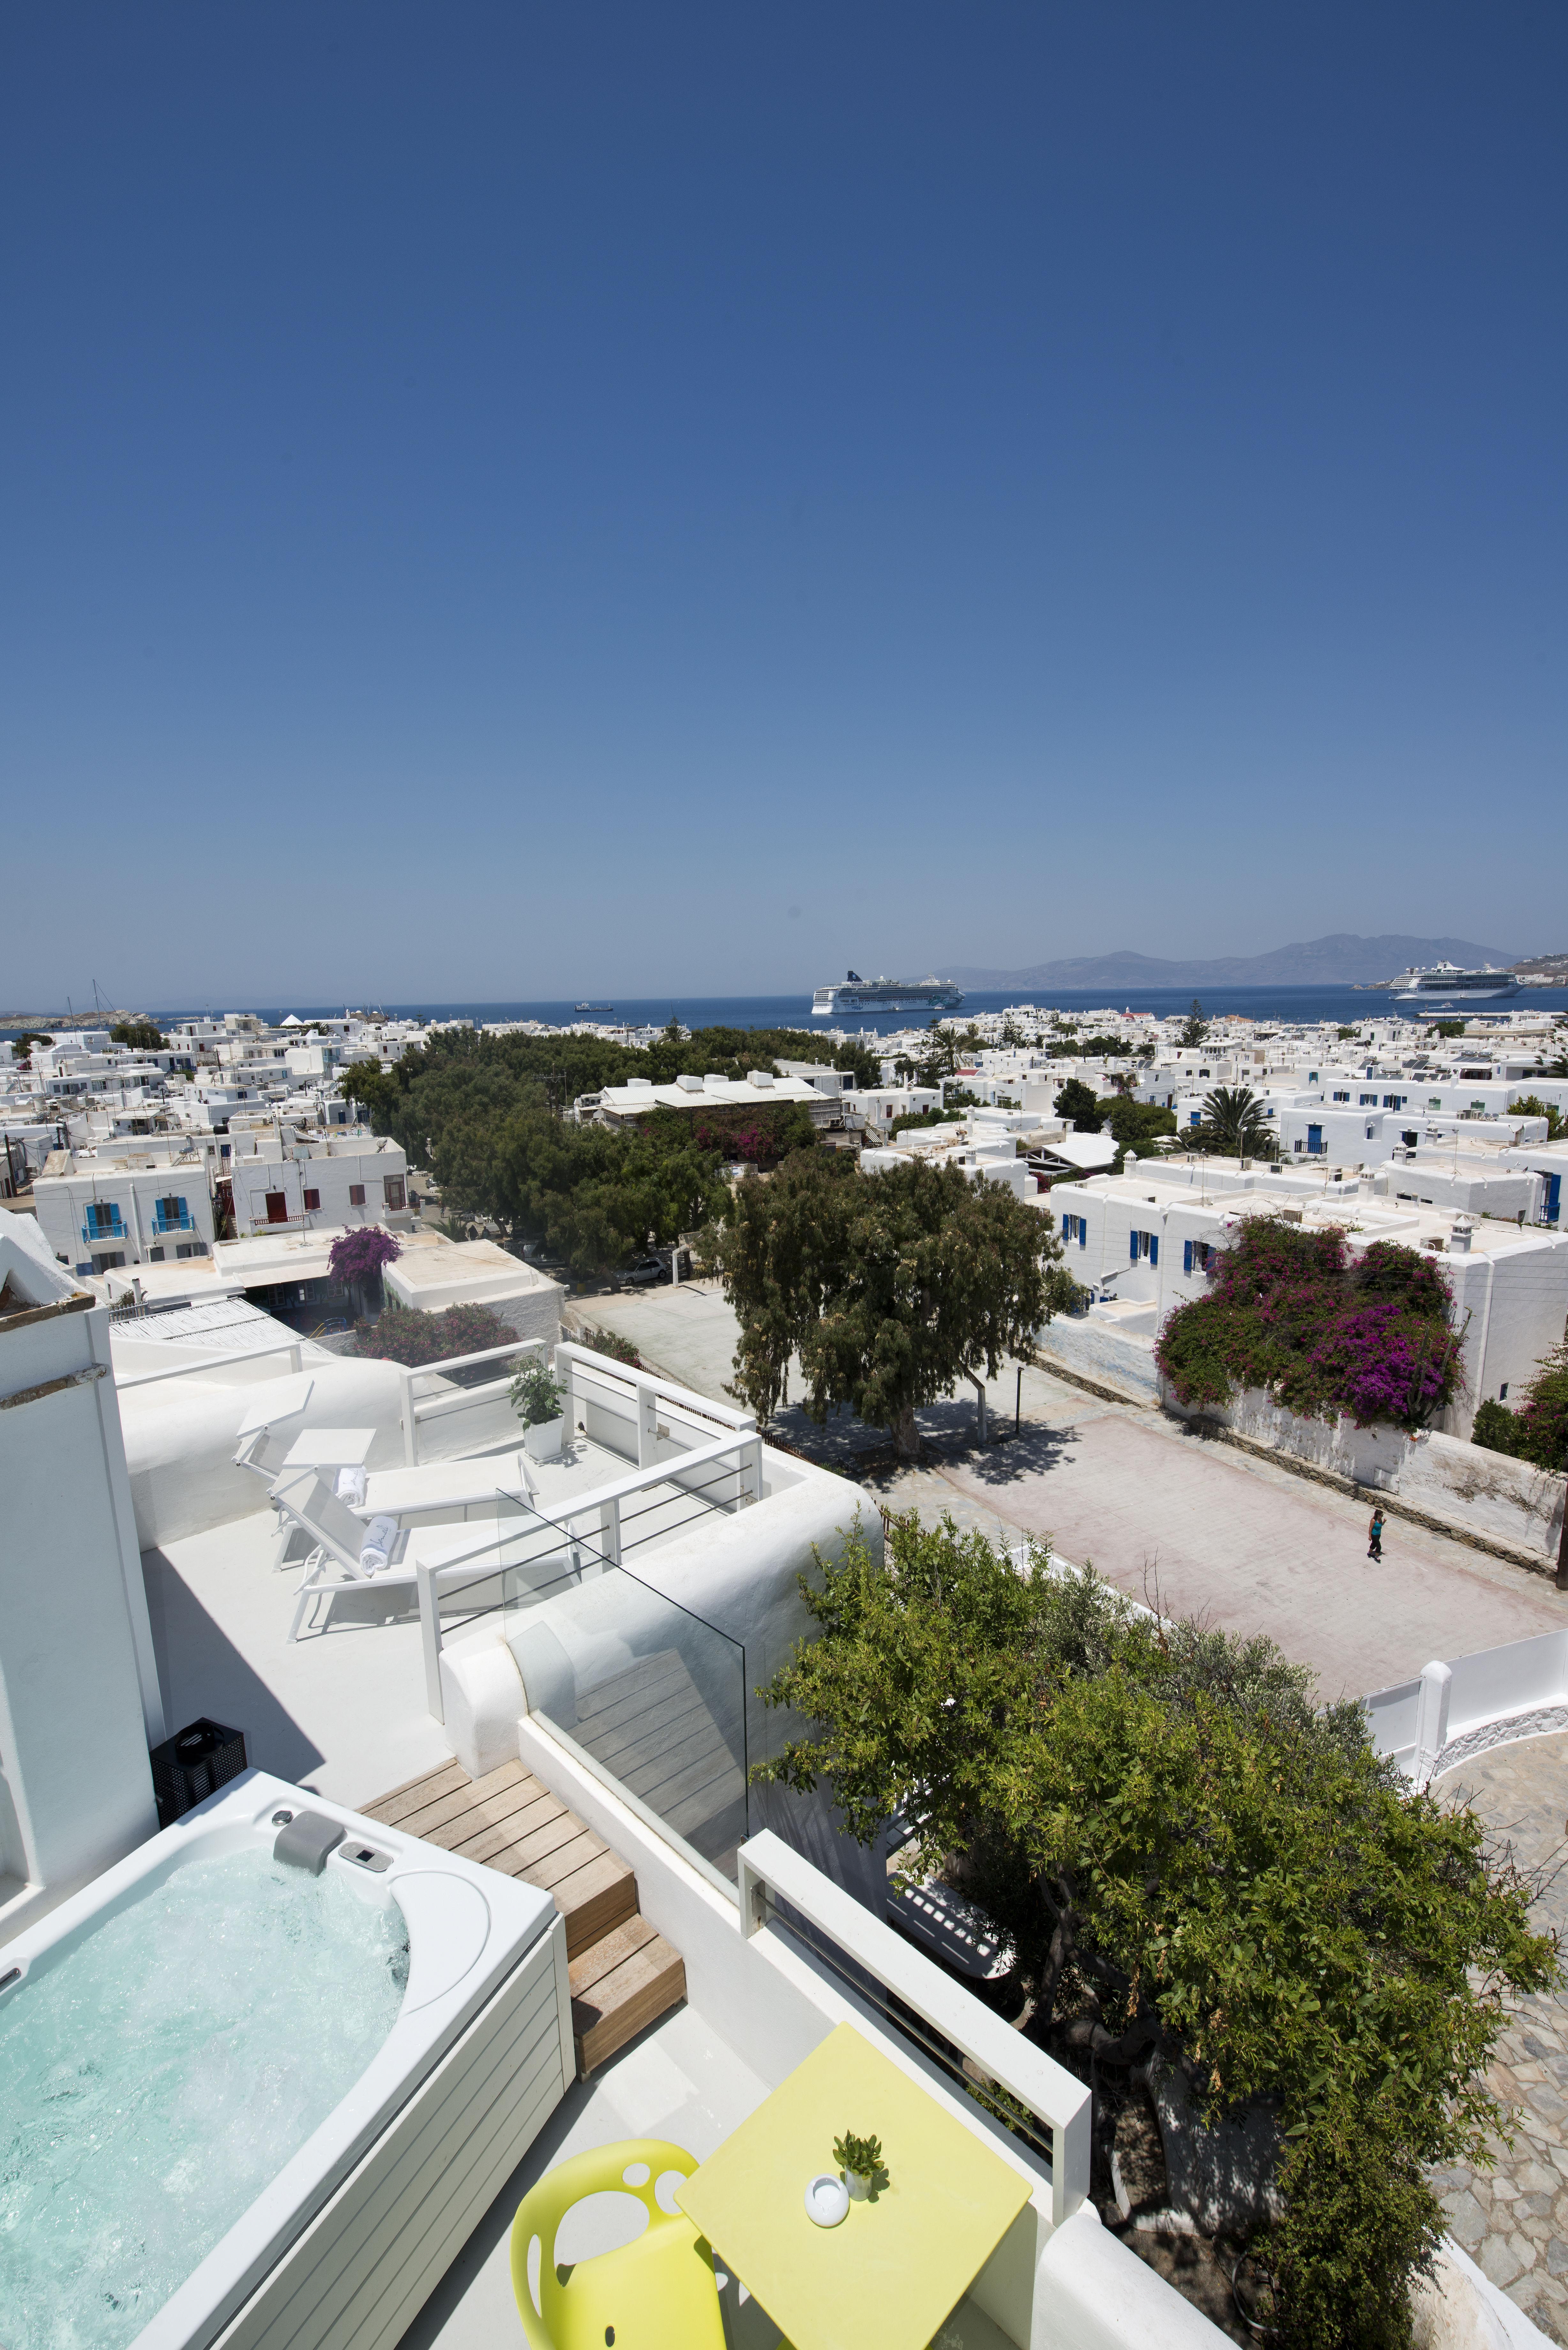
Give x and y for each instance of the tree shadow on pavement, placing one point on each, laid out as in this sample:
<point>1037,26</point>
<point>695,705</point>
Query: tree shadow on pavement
<point>949,1440</point>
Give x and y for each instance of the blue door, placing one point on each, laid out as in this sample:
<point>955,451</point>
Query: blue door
<point>1314,1138</point>
<point>1553,1196</point>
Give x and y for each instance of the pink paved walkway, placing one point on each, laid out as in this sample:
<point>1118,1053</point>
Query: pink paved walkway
<point>1255,1549</point>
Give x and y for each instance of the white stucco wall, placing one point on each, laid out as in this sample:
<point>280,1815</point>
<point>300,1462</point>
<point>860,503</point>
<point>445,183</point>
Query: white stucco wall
<point>1487,1493</point>
<point>78,1691</point>
<point>739,1574</point>
<point>180,1437</point>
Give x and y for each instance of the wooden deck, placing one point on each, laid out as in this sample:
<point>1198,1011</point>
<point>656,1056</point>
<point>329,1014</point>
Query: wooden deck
<point>656,1732</point>
<point>623,1975</point>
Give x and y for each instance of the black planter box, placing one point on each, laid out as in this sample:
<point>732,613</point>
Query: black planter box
<point>193,1764</point>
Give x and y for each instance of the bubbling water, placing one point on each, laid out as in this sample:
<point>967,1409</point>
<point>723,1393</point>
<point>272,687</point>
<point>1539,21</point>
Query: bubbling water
<point>156,2077</point>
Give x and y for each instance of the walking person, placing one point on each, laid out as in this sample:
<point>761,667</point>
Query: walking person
<point>1375,1547</point>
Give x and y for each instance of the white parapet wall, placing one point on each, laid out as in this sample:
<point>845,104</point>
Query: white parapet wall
<point>182,1434</point>
<point>1463,1706</point>
<point>78,1683</point>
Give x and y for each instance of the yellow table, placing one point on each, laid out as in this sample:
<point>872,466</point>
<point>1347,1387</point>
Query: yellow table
<point>896,2266</point>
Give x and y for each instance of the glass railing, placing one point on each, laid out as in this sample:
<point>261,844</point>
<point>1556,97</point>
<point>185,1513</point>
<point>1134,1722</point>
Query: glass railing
<point>650,1697</point>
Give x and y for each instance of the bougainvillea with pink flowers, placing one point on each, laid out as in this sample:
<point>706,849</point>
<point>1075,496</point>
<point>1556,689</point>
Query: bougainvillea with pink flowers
<point>357,1257</point>
<point>1289,1311</point>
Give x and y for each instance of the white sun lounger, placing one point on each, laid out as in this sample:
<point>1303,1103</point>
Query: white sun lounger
<point>337,1535</point>
<point>449,1486</point>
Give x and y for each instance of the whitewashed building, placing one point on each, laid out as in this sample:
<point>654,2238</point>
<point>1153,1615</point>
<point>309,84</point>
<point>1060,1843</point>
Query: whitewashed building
<point>1147,1239</point>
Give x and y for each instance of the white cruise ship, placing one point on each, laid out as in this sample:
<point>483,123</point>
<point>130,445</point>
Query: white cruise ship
<point>853,993</point>
<point>1446,983</point>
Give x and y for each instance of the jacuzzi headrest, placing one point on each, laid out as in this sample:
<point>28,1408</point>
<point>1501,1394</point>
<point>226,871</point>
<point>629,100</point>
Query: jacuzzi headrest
<point>306,1840</point>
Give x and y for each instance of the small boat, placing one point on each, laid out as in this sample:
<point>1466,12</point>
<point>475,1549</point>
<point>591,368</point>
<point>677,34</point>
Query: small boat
<point>595,1007</point>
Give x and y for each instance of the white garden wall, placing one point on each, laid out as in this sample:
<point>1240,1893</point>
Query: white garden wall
<point>1478,1492</point>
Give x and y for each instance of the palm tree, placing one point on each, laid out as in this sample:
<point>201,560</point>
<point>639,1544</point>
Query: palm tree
<point>1233,1124</point>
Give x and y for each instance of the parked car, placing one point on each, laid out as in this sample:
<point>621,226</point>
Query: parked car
<point>644,1272</point>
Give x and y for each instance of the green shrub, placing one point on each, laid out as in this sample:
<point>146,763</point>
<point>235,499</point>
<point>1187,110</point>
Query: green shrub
<point>1497,1429</point>
<point>919,1118</point>
<point>1544,1413</point>
<point>611,1343</point>
<point>407,1335</point>
<point>1531,1106</point>
<point>1538,1431</point>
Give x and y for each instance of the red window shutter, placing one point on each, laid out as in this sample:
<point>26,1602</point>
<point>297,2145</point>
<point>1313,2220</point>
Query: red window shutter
<point>276,1208</point>
<point>312,1202</point>
<point>356,1195</point>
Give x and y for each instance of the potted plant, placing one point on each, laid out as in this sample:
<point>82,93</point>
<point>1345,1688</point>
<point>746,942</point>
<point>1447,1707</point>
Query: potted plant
<point>859,2159</point>
<point>536,1399</point>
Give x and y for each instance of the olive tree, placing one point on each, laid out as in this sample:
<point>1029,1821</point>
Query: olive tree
<point>890,1287</point>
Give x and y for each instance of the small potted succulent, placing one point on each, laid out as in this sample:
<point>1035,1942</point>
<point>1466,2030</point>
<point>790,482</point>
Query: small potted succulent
<point>536,1399</point>
<point>859,2159</point>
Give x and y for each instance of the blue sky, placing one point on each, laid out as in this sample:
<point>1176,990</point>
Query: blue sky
<point>502,501</point>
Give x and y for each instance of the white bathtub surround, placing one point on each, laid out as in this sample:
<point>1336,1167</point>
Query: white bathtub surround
<point>79,1700</point>
<point>1460,1707</point>
<point>364,2217</point>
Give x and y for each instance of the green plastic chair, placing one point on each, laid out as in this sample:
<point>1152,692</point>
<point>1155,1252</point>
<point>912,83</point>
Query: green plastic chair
<point>657,2294</point>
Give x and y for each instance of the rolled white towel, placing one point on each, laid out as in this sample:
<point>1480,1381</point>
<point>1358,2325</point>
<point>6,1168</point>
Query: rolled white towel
<point>376,1550</point>
<point>349,1486</point>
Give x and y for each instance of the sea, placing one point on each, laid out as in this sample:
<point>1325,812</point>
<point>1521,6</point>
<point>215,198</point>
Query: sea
<point>1286,1007</point>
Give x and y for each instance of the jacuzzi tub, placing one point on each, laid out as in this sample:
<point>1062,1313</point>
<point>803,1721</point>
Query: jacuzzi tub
<point>416,2096</point>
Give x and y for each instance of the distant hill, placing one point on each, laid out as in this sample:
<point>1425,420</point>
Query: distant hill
<point>1337,961</point>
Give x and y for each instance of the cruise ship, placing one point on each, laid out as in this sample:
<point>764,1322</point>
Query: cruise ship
<point>1446,983</point>
<point>853,993</point>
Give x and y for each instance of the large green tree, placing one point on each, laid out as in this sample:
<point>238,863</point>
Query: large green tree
<point>1191,1860</point>
<point>1082,1105</point>
<point>490,1116</point>
<point>1134,1122</point>
<point>890,1287</point>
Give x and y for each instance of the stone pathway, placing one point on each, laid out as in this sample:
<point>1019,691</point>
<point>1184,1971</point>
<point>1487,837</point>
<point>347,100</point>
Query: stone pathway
<point>1514,2221</point>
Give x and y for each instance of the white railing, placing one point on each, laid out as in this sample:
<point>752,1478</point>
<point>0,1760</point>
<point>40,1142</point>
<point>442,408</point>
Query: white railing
<point>417,1410</point>
<point>599,1391</point>
<point>742,1485</point>
<point>1056,2099</point>
<point>289,1347</point>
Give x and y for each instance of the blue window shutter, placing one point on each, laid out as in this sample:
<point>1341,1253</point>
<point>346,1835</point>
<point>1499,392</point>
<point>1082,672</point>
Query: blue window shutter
<point>1135,1248</point>
<point>1154,1248</point>
<point>1083,1231</point>
<point>1186,1256</point>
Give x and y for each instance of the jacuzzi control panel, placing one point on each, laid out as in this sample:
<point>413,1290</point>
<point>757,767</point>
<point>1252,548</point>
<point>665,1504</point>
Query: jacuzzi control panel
<point>365,1856</point>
